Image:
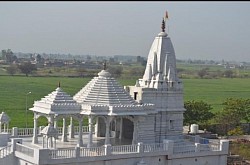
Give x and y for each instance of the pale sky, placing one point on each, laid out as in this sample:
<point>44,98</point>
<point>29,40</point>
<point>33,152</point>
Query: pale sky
<point>199,30</point>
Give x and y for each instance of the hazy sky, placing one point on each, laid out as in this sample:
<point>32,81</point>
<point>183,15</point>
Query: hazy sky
<point>199,30</point>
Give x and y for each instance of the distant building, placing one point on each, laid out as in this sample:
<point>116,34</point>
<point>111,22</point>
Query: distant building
<point>124,58</point>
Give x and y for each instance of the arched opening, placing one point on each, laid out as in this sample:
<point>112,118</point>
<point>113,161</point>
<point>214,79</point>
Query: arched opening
<point>42,121</point>
<point>127,128</point>
<point>101,127</point>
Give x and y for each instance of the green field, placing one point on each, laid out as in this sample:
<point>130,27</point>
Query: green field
<point>215,91</point>
<point>13,90</point>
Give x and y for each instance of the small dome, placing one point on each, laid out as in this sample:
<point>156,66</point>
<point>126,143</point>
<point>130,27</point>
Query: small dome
<point>162,34</point>
<point>57,102</point>
<point>4,118</point>
<point>104,73</point>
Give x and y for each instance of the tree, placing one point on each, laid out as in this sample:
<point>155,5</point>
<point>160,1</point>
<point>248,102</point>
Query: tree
<point>81,71</point>
<point>38,58</point>
<point>27,68</point>
<point>228,74</point>
<point>8,56</point>
<point>12,69</point>
<point>234,112</point>
<point>116,71</point>
<point>197,112</point>
<point>138,71</point>
<point>203,72</point>
<point>236,131</point>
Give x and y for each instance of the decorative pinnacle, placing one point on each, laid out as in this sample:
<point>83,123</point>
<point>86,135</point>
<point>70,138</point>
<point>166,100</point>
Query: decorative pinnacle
<point>105,65</point>
<point>163,25</point>
<point>59,84</point>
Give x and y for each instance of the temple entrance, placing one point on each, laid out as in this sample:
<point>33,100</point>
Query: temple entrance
<point>127,128</point>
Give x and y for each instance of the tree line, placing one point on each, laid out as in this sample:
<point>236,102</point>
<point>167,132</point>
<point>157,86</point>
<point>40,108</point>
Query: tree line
<point>234,112</point>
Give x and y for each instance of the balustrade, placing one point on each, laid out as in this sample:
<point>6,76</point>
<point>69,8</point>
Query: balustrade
<point>93,151</point>
<point>25,150</point>
<point>5,151</point>
<point>62,153</point>
<point>124,149</point>
<point>154,147</point>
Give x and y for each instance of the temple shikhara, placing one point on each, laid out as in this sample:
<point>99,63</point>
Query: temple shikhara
<point>130,125</point>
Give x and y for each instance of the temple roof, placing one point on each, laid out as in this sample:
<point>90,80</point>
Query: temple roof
<point>104,96</point>
<point>104,90</point>
<point>57,102</point>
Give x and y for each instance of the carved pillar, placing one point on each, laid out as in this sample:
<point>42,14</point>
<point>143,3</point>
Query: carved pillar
<point>90,139</point>
<point>43,142</point>
<point>135,131</point>
<point>121,122</point>
<point>97,127</point>
<point>80,142</point>
<point>55,122</point>
<point>71,129</point>
<point>4,127</point>
<point>51,142</point>
<point>107,135</point>
<point>35,137</point>
<point>64,131</point>
<point>54,142</point>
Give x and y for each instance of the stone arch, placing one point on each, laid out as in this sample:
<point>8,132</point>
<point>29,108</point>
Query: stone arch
<point>42,120</point>
<point>100,126</point>
<point>127,127</point>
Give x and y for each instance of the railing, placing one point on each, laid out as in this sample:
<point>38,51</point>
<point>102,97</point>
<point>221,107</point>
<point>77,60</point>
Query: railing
<point>25,150</point>
<point>62,153</point>
<point>81,152</point>
<point>5,151</point>
<point>25,131</point>
<point>214,145</point>
<point>29,131</point>
<point>59,130</point>
<point>154,147</point>
<point>9,131</point>
<point>124,149</point>
<point>184,149</point>
<point>84,129</point>
<point>93,151</point>
<point>204,147</point>
<point>189,138</point>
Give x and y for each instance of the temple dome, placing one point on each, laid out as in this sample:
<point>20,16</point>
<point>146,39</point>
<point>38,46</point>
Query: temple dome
<point>57,102</point>
<point>104,90</point>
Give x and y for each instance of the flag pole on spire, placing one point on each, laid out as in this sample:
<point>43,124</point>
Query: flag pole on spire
<point>165,19</point>
<point>166,16</point>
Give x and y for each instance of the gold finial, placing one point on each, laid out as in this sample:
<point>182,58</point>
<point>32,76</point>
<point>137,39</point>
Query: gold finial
<point>163,25</point>
<point>105,65</point>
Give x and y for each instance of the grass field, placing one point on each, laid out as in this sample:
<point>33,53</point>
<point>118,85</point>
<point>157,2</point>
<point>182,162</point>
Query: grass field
<point>13,90</point>
<point>215,91</point>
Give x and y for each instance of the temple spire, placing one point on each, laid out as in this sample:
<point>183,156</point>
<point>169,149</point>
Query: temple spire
<point>163,24</point>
